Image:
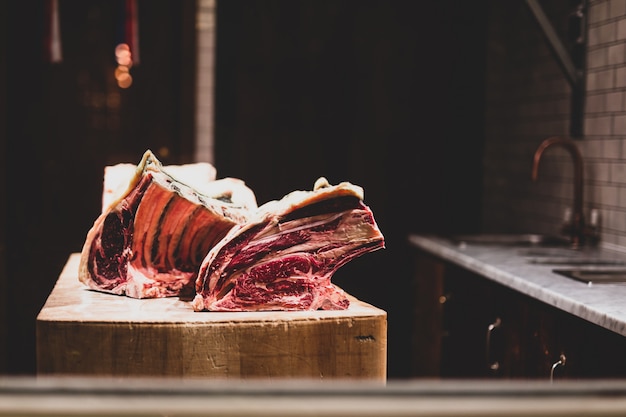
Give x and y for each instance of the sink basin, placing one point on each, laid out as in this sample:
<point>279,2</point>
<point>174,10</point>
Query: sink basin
<point>551,252</point>
<point>574,261</point>
<point>503,239</point>
<point>542,253</point>
<point>542,249</point>
<point>594,276</point>
<point>568,256</point>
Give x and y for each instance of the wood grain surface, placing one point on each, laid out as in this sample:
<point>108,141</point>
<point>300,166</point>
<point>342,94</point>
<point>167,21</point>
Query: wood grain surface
<point>81,331</point>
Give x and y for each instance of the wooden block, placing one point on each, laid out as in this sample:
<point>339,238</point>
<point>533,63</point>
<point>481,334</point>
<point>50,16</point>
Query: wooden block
<point>84,332</point>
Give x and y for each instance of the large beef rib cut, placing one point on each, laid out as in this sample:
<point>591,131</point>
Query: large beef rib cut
<point>284,258</point>
<point>150,240</point>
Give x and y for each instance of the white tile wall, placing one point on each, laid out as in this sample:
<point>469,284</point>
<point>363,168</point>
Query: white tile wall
<point>528,100</point>
<point>205,30</point>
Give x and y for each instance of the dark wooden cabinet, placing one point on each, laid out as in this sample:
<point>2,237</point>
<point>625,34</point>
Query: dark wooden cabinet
<point>468,326</point>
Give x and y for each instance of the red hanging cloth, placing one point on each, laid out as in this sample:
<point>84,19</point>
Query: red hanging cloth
<point>131,29</point>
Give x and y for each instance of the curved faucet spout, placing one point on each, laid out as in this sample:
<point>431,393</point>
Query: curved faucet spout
<point>578,221</point>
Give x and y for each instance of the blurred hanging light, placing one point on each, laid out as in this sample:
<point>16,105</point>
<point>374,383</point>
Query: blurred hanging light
<point>123,55</point>
<point>124,60</point>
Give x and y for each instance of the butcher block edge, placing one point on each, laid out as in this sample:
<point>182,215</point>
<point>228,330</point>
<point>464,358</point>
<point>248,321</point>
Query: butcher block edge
<point>84,332</point>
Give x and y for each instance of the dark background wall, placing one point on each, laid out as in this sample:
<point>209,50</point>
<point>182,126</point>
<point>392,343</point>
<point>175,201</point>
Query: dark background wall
<point>385,94</point>
<point>66,121</point>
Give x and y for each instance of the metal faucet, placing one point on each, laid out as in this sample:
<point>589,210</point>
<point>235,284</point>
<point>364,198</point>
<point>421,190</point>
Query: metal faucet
<point>576,229</point>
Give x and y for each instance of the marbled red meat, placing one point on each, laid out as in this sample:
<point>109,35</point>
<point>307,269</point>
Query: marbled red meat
<point>284,258</point>
<point>150,240</point>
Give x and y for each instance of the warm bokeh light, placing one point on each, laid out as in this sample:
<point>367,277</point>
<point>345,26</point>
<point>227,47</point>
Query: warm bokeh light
<point>125,80</point>
<point>120,71</point>
<point>164,152</point>
<point>123,56</point>
<point>122,49</point>
<point>125,60</point>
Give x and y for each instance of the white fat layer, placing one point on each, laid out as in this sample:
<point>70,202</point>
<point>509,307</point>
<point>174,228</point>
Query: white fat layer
<point>147,282</point>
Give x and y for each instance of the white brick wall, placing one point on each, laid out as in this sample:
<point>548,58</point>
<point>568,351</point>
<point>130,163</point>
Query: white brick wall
<point>205,29</point>
<point>528,101</point>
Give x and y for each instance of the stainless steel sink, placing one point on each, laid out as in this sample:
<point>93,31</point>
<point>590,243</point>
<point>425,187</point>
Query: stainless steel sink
<point>594,276</point>
<point>575,261</point>
<point>542,249</point>
<point>504,239</point>
<point>545,253</point>
<point>569,256</point>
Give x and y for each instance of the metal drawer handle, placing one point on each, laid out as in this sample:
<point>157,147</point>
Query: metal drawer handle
<point>560,362</point>
<point>493,366</point>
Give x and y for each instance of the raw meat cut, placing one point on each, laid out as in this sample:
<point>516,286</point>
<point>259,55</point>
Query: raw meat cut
<point>151,239</point>
<point>117,177</point>
<point>284,258</point>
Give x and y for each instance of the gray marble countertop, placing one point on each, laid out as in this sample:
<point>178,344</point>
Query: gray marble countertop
<point>529,270</point>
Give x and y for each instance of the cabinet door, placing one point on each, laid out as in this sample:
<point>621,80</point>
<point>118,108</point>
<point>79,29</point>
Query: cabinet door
<point>534,340</point>
<point>472,337</point>
<point>467,326</point>
<point>426,330</point>
<point>573,348</point>
<point>539,341</point>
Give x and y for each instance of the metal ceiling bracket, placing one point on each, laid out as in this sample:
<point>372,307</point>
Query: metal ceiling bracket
<point>572,60</point>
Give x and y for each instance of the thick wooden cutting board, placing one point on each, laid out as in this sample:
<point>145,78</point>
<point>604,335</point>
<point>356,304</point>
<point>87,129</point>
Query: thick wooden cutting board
<point>84,332</point>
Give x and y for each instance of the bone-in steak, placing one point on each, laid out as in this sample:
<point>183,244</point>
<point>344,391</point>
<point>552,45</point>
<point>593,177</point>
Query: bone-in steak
<point>150,240</point>
<point>284,258</point>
